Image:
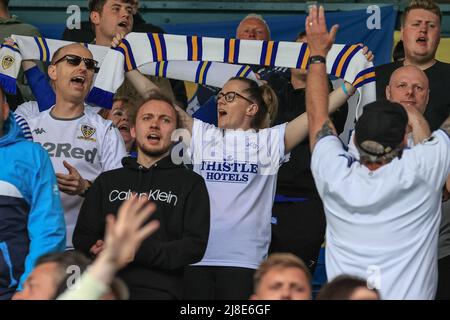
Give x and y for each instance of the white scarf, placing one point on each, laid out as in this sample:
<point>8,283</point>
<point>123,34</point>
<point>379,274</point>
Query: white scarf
<point>36,48</point>
<point>137,49</point>
<point>169,56</point>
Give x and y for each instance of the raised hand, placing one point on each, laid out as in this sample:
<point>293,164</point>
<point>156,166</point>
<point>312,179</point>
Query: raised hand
<point>317,35</point>
<point>117,39</point>
<point>124,234</point>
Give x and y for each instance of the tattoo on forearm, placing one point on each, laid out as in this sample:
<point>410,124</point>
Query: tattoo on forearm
<point>446,126</point>
<point>327,130</point>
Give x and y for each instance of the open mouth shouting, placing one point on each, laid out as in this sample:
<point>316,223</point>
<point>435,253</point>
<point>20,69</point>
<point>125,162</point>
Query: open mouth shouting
<point>124,24</point>
<point>422,41</point>
<point>221,112</point>
<point>154,138</point>
<point>124,127</point>
<point>78,81</point>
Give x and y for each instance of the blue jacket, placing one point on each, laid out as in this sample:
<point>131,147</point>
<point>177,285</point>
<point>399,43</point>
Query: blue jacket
<point>31,215</point>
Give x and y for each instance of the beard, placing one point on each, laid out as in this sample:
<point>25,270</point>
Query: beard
<point>152,152</point>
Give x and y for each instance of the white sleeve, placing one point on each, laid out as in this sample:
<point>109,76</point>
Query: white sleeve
<point>431,158</point>
<point>28,110</point>
<point>271,149</point>
<point>329,162</point>
<point>351,145</point>
<point>276,139</point>
<point>87,288</point>
<point>113,149</point>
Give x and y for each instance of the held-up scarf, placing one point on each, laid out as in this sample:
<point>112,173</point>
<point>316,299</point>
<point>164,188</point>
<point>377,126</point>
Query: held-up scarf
<point>36,48</point>
<point>343,61</point>
<point>137,50</point>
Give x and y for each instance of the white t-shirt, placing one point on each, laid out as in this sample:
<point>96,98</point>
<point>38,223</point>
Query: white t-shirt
<point>30,109</point>
<point>89,143</point>
<point>444,229</point>
<point>240,170</point>
<point>383,225</point>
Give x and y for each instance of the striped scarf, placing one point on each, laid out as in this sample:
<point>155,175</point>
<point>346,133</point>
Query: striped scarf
<point>204,60</point>
<point>343,61</point>
<point>37,48</point>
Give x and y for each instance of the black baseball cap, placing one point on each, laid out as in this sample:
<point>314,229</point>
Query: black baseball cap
<point>381,127</point>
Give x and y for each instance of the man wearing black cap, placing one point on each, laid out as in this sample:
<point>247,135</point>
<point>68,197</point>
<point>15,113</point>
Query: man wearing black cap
<point>383,211</point>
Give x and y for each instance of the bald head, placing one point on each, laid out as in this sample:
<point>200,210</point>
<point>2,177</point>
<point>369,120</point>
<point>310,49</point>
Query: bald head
<point>70,49</point>
<point>409,86</point>
<point>71,73</point>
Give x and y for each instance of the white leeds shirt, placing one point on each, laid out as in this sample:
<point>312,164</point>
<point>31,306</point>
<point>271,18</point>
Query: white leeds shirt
<point>383,225</point>
<point>240,170</point>
<point>89,143</point>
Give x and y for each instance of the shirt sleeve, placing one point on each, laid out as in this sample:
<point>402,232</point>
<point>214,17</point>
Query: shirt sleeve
<point>46,225</point>
<point>28,110</point>
<point>271,153</point>
<point>329,160</point>
<point>431,159</point>
<point>113,149</point>
<point>23,124</point>
<point>41,88</point>
<point>351,145</point>
<point>87,288</point>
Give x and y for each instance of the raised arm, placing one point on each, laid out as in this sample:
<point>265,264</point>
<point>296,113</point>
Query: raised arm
<point>297,129</point>
<point>123,237</point>
<point>419,126</point>
<point>37,81</point>
<point>184,119</point>
<point>319,42</point>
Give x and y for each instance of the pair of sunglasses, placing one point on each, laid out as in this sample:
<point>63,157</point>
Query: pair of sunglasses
<point>75,60</point>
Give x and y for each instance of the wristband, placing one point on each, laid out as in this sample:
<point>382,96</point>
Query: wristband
<point>317,59</point>
<point>345,89</point>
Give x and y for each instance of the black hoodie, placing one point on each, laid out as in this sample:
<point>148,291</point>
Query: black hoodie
<point>182,209</point>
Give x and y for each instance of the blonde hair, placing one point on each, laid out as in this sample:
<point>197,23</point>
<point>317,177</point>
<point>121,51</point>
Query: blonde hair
<point>264,97</point>
<point>428,5</point>
<point>280,260</point>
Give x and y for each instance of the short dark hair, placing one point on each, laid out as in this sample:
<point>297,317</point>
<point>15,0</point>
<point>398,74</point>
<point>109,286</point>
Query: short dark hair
<point>64,260</point>
<point>97,5</point>
<point>158,96</point>
<point>342,288</point>
<point>428,5</point>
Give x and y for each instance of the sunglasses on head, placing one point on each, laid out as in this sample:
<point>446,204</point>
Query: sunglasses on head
<point>75,60</point>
